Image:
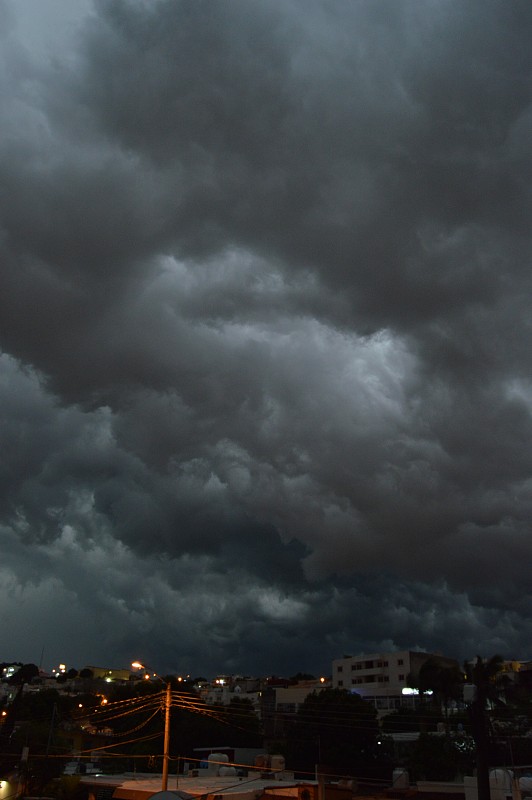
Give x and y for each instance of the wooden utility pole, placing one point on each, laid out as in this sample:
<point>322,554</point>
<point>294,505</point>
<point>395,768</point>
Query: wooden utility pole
<point>166,747</point>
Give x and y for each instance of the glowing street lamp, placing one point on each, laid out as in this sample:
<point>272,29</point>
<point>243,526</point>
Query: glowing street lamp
<point>167,705</point>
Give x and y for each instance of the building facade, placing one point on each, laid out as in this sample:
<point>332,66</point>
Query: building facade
<point>382,677</point>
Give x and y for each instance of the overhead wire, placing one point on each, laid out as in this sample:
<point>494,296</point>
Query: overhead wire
<point>137,727</point>
<point>103,717</point>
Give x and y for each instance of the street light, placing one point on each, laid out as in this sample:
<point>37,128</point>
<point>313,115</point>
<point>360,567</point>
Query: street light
<point>166,745</point>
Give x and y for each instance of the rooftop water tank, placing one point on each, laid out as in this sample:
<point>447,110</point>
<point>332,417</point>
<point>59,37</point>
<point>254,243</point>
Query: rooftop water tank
<point>224,772</point>
<point>215,761</point>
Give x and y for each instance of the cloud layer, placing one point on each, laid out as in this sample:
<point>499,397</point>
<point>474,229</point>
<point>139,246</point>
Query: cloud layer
<point>266,378</point>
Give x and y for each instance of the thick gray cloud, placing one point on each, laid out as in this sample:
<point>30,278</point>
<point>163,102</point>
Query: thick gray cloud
<point>266,380</point>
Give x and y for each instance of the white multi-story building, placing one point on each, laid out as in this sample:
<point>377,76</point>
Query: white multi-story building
<point>381,677</point>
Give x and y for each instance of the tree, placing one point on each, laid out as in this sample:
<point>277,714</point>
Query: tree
<point>410,720</point>
<point>24,674</point>
<point>86,673</point>
<point>440,758</point>
<point>444,682</point>
<point>483,674</point>
<point>195,724</point>
<point>241,717</point>
<point>335,728</point>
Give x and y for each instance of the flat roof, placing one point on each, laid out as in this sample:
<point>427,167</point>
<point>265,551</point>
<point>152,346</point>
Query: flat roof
<point>141,787</point>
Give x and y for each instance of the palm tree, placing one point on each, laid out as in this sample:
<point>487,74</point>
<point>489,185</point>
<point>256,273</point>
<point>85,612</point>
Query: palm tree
<point>448,687</point>
<point>442,681</point>
<point>483,674</point>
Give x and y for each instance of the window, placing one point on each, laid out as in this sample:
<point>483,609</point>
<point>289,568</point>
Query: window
<point>369,665</point>
<point>384,663</point>
<point>400,662</point>
<point>339,669</point>
<point>340,683</point>
<point>401,677</point>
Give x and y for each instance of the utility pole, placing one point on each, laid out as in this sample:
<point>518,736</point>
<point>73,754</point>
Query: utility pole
<point>167,706</point>
<point>51,731</point>
<point>479,726</point>
<point>166,746</point>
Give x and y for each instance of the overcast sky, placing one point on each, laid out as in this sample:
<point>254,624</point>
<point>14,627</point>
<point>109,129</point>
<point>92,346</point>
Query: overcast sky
<point>266,361</point>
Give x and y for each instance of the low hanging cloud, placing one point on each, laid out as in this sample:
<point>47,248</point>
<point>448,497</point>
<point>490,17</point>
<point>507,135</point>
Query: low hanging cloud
<point>265,381</point>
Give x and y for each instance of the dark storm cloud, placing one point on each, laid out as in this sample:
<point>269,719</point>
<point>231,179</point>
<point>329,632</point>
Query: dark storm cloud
<point>264,313</point>
<point>343,138</point>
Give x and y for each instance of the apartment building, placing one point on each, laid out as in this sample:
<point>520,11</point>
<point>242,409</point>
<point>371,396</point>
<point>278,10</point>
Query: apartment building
<point>382,677</point>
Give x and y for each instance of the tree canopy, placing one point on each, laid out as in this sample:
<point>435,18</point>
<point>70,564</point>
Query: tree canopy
<point>335,728</point>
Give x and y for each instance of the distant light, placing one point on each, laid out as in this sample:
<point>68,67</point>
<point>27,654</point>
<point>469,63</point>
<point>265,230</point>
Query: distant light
<point>408,691</point>
<point>322,680</point>
<point>180,679</point>
<point>80,705</point>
